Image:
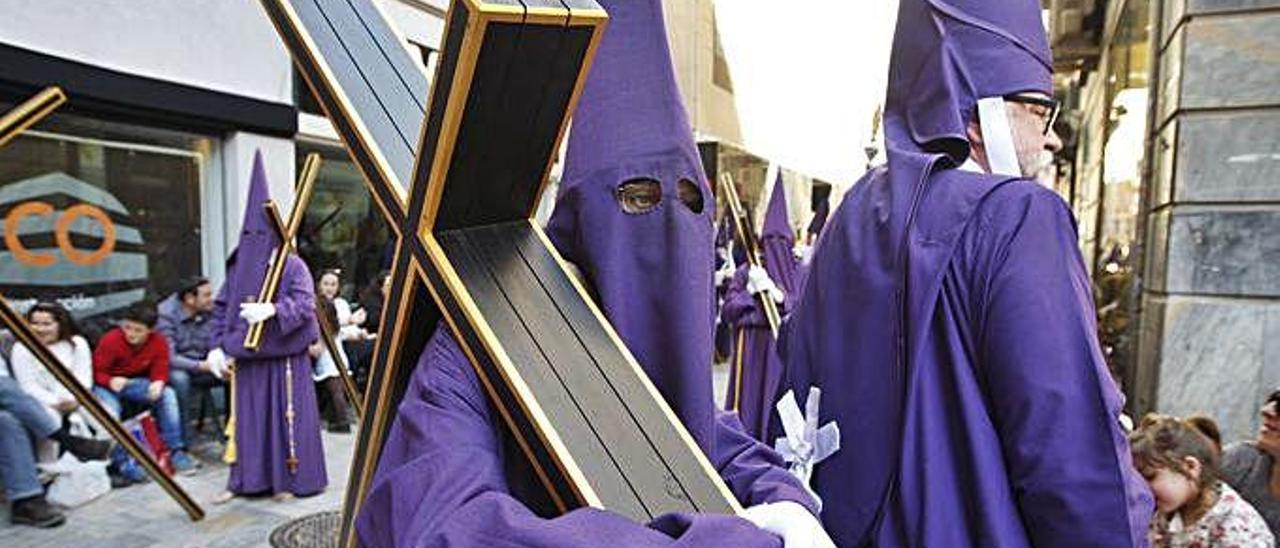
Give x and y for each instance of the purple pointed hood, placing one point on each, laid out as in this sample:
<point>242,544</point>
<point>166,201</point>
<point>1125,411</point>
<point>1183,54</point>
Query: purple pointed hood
<point>946,55</point>
<point>777,242</point>
<point>651,271</point>
<point>248,263</point>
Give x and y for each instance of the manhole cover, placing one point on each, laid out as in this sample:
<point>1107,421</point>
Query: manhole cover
<point>312,530</point>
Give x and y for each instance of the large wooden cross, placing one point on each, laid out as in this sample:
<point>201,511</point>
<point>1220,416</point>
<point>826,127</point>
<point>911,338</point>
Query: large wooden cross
<point>458,173</point>
<point>13,123</point>
<point>287,231</point>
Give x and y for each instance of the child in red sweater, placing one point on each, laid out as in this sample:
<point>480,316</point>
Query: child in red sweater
<point>131,367</point>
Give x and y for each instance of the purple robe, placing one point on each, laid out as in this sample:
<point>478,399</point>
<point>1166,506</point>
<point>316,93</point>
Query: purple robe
<point>448,474</point>
<point>262,429</point>
<point>755,371</point>
<point>819,218</point>
<point>947,318</point>
<point>724,253</point>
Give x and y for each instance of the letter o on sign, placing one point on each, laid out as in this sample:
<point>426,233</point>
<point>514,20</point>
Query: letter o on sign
<point>61,234</point>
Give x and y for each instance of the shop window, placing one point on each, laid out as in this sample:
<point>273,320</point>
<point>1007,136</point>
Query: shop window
<point>343,227</point>
<point>98,215</point>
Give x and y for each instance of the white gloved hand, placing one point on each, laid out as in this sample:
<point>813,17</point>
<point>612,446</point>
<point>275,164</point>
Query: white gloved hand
<point>217,361</point>
<point>758,281</point>
<point>257,312</point>
<point>791,522</point>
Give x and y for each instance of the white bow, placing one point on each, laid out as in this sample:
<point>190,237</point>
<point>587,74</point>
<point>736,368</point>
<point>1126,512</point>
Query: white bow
<point>805,445</point>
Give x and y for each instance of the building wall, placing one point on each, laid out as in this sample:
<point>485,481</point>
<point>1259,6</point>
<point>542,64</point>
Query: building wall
<point>223,45</point>
<point>1211,322</point>
<point>691,29</point>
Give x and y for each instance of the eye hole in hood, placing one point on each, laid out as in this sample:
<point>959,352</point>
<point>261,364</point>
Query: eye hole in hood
<point>639,196</point>
<point>690,195</point>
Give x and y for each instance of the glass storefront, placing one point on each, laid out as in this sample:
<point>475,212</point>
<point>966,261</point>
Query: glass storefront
<point>1127,73</point>
<point>98,215</point>
<point>343,227</point>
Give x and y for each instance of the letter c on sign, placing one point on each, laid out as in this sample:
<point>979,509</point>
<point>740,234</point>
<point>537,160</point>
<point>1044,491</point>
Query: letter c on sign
<point>61,234</point>
<point>20,252</point>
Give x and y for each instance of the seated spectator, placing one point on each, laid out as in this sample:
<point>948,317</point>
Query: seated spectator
<point>329,395</point>
<point>371,299</point>
<point>1250,467</point>
<point>131,367</point>
<point>184,322</point>
<point>55,329</point>
<point>1194,507</point>
<point>22,419</point>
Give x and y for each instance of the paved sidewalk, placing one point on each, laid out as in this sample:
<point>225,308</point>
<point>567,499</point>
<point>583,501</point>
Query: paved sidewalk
<point>144,516</point>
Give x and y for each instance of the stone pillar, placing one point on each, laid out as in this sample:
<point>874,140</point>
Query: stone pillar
<point>1210,338</point>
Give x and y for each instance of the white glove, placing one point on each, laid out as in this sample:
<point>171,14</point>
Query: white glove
<point>257,312</point>
<point>758,281</point>
<point>791,522</point>
<point>217,361</point>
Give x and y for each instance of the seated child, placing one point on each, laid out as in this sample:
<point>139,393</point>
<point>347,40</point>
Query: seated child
<point>1194,507</point>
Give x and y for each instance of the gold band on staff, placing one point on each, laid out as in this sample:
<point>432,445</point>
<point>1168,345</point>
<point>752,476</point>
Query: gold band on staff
<point>13,123</point>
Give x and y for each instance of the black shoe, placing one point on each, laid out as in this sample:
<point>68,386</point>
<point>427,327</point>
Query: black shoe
<point>118,481</point>
<point>36,512</point>
<point>87,448</point>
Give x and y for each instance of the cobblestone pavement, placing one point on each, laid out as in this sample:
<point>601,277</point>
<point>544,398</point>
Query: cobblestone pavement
<point>144,516</point>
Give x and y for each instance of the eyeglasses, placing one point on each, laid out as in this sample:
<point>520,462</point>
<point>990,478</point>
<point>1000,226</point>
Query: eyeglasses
<point>1052,105</point>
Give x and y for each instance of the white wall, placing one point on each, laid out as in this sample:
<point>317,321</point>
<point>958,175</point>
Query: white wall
<point>223,45</point>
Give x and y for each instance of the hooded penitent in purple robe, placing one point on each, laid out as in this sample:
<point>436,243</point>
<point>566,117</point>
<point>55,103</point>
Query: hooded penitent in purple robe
<point>264,437</point>
<point>724,275</point>
<point>947,319</point>
<point>819,218</point>
<point>755,371</point>
<point>450,475</point>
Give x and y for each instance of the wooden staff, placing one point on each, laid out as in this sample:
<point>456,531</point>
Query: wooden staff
<point>29,112</point>
<point>22,332</point>
<point>741,226</point>
<point>275,271</point>
<point>229,454</point>
<point>329,338</point>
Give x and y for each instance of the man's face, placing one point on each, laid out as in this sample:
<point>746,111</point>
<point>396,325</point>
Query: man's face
<point>201,300</point>
<point>1034,140</point>
<point>134,332</point>
<point>1269,433</point>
